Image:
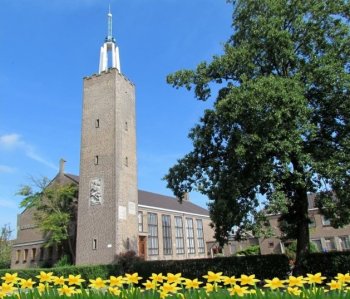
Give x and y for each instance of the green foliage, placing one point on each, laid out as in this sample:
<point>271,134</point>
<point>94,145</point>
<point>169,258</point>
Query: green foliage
<point>64,261</point>
<point>328,263</point>
<point>5,247</point>
<point>263,266</point>
<point>279,126</point>
<point>55,213</point>
<point>251,250</point>
<point>291,249</point>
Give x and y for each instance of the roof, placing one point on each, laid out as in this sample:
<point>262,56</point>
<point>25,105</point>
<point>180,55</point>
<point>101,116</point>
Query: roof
<point>156,200</point>
<point>170,203</point>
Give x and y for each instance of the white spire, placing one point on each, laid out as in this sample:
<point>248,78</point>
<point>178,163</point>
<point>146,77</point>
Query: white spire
<point>109,46</point>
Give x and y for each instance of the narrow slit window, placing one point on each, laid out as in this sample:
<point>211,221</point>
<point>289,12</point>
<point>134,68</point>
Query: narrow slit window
<point>126,126</point>
<point>126,162</point>
<point>96,160</point>
<point>94,244</point>
<point>97,123</point>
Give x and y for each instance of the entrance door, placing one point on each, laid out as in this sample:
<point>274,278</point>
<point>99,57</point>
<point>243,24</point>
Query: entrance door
<point>142,247</point>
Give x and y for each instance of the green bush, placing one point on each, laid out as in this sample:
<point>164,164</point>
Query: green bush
<point>263,266</point>
<point>328,263</point>
<point>251,250</point>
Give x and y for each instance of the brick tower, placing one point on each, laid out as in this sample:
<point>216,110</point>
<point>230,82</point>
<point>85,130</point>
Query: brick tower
<point>107,207</point>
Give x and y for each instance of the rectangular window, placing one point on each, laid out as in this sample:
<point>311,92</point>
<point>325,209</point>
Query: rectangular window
<point>33,254</point>
<point>94,244</point>
<point>18,256</point>
<point>166,226</point>
<point>42,252</point>
<point>153,248</point>
<point>325,221</point>
<point>200,236</point>
<point>96,160</point>
<point>190,236</point>
<point>179,235</point>
<point>318,245</point>
<point>312,222</point>
<point>344,242</point>
<point>330,244</point>
<point>25,258</point>
<point>97,123</point>
<point>140,220</point>
<point>50,253</point>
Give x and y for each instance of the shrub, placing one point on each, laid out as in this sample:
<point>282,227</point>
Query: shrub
<point>251,250</point>
<point>263,266</point>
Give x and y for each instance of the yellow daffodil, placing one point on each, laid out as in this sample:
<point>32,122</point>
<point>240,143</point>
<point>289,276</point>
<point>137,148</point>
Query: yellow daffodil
<point>294,291</point>
<point>66,291</point>
<point>58,280</point>
<point>334,285</point>
<point>251,280</point>
<point>114,291</point>
<point>240,291</point>
<point>163,295</point>
<point>343,278</point>
<point>296,281</point>
<point>174,278</point>
<point>230,280</point>
<point>132,278</point>
<point>274,283</point>
<point>150,285</point>
<point>27,284</point>
<point>44,277</point>
<point>209,288</point>
<point>213,277</point>
<point>41,288</point>
<point>116,281</point>
<point>315,278</point>
<point>97,283</point>
<point>192,284</point>
<point>157,277</point>
<point>77,280</point>
<point>169,288</point>
<point>2,294</point>
<point>10,278</point>
<point>7,287</point>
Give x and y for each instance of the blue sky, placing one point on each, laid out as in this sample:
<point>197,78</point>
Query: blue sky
<point>47,47</point>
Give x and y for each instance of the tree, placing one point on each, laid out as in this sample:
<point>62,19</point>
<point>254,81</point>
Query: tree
<point>279,126</point>
<point>5,246</point>
<point>55,212</point>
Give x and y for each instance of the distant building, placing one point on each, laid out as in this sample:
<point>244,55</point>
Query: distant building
<point>113,215</point>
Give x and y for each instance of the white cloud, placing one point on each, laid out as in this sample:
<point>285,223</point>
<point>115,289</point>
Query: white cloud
<point>5,203</point>
<point>15,142</point>
<point>7,169</point>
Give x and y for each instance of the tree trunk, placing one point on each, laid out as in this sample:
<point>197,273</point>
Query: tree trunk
<point>303,234</point>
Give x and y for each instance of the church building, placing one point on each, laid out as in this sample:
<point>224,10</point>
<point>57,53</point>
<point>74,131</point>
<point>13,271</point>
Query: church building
<point>113,216</point>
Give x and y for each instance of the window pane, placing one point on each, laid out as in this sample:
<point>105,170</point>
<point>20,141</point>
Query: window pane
<point>152,234</point>
<point>344,242</point>
<point>200,236</point>
<point>167,243</point>
<point>190,236</point>
<point>140,220</point>
<point>179,236</point>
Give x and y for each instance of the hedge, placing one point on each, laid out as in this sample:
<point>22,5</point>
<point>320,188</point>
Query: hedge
<point>329,264</point>
<point>263,266</point>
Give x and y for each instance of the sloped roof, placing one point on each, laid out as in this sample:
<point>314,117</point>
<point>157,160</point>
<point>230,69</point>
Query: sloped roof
<point>170,203</point>
<point>156,200</point>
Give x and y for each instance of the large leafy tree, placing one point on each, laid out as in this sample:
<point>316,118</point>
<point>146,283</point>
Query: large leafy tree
<point>279,126</point>
<point>55,212</point>
<point>5,246</point>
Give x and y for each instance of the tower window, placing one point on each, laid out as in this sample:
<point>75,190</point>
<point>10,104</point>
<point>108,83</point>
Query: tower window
<point>94,244</point>
<point>97,123</point>
<point>126,162</point>
<point>96,160</point>
<point>126,126</point>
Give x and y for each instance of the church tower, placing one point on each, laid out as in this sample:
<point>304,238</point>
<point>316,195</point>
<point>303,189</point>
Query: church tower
<point>107,206</point>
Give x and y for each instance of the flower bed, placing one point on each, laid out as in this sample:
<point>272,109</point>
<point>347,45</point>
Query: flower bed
<point>213,285</point>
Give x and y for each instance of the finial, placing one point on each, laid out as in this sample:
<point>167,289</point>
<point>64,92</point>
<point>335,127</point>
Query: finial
<point>109,46</point>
